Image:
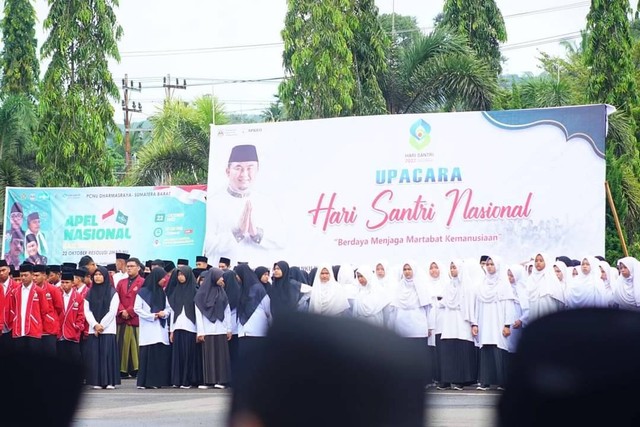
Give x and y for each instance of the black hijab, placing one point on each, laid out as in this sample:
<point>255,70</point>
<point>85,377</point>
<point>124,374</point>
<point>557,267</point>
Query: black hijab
<point>312,275</point>
<point>100,295</point>
<point>251,292</point>
<point>232,288</point>
<point>260,272</point>
<point>299,275</point>
<point>211,299</point>
<point>153,294</point>
<point>181,295</point>
<point>285,291</point>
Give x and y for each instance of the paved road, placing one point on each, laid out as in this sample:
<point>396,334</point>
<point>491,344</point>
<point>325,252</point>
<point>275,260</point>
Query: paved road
<point>170,407</point>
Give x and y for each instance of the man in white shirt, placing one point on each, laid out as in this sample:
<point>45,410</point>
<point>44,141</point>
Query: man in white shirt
<point>121,264</point>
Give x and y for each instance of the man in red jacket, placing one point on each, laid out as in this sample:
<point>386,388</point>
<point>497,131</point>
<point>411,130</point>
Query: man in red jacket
<point>54,298</point>
<point>127,320</point>
<point>72,320</point>
<point>5,287</point>
<point>29,312</point>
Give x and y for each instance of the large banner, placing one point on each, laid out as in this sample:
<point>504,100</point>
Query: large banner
<point>56,225</point>
<point>399,187</point>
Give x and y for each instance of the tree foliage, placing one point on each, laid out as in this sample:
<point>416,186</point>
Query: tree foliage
<point>437,72</point>
<point>18,60</point>
<point>608,54</point>
<point>75,109</point>
<point>482,23</point>
<point>402,29</point>
<point>178,153</point>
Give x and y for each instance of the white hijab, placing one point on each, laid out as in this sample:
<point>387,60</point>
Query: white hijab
<point>587,290</point>
<point>542,283</point>
<point>626,291</point>
<point>327,298</point>
<point>436,284</point>
<point>458,294</point>
<point>519,289</point>
<point>413,292</point>
<point>495,287</point>
<point>371,298</point>
<point>389,279</point>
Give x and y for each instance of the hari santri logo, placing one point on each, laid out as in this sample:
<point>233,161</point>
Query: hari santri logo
<point>420,135</point>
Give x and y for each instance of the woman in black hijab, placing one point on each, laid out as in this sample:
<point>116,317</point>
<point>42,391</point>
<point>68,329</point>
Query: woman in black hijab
<point>285,291</point>
<point>213,318</point>
<point>102,349</point>
<point>254,314</point>
<point>155,352</point>
<point>263,276</point>
<point>232,288</point>
<point>186,360</point>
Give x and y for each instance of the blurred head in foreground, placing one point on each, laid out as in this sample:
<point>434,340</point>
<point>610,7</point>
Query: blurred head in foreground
<point>577,367</point>
<point>330,371</point>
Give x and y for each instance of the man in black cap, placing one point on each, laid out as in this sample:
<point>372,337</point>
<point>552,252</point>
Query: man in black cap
<point>54,273</point>
<point>224,263</point>
<point>202,262</point>
<point>330,371</point>
<point>32,248</point>
<point>16,250</point>
<point>244,224</point>
<point>121,264</point>
<point>26,320</point>
<point>182,262</point>
<point>16,217</point>
<point>33,225</point>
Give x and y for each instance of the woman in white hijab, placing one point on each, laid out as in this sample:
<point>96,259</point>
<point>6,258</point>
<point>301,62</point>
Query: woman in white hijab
<point>385,277</point>
<point>495,307</point>
<point>412,316</point>
<point>626,291</point>
<point>563,275</point>
<point>328,297</point>
<point>587,288</point>
<point>517,274</point>
<point>543,288</point>
<point>458,363</point>
<point>369,299</point>
<point>436,282</point>
<point>608,278</point>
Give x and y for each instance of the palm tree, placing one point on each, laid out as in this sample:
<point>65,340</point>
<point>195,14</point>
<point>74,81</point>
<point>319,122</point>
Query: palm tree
<point>437,72</point>
<point>178,153</point>
<point>17,150</point>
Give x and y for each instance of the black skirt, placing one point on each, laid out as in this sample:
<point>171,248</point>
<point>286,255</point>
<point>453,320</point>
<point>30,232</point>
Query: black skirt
<point>458,362</point>
<point>216,361</point>
<point>102,360</point>
<point>183,359</point>
<point>155,366</point>
<point>493,365</point>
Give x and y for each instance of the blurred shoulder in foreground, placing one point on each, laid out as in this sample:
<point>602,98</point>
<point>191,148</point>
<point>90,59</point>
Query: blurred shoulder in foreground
<point>576,367</point>
<point>330,371</point>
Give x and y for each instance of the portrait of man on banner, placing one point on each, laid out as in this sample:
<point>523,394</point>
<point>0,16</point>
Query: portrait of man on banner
<point>243,224</point>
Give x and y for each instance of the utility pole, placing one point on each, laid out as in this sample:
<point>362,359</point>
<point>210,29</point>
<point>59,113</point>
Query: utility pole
<point>128,109</point>
<point>169,87</point>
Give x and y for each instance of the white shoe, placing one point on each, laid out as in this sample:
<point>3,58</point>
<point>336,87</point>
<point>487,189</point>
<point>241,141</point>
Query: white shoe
<point>111,387</point>
<point>185,387</point>
<point>141,388</point>
<point>204,387</point>
<point>96,387</point>
<point>220,386</point>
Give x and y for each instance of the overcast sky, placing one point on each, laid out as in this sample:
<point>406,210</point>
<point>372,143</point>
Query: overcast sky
<point>208,42</point>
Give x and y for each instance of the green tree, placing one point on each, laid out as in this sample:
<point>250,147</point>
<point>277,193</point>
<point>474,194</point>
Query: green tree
<point>482,23</point>
<point>368,48</point>
<point>17,151</point>
<point>178,153</point>
<point>437,72</point>
<point>404,28</point>
<point>318,60</point>
<point>19,61</point>
<point>75,108</point>
<point>608,54</point>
